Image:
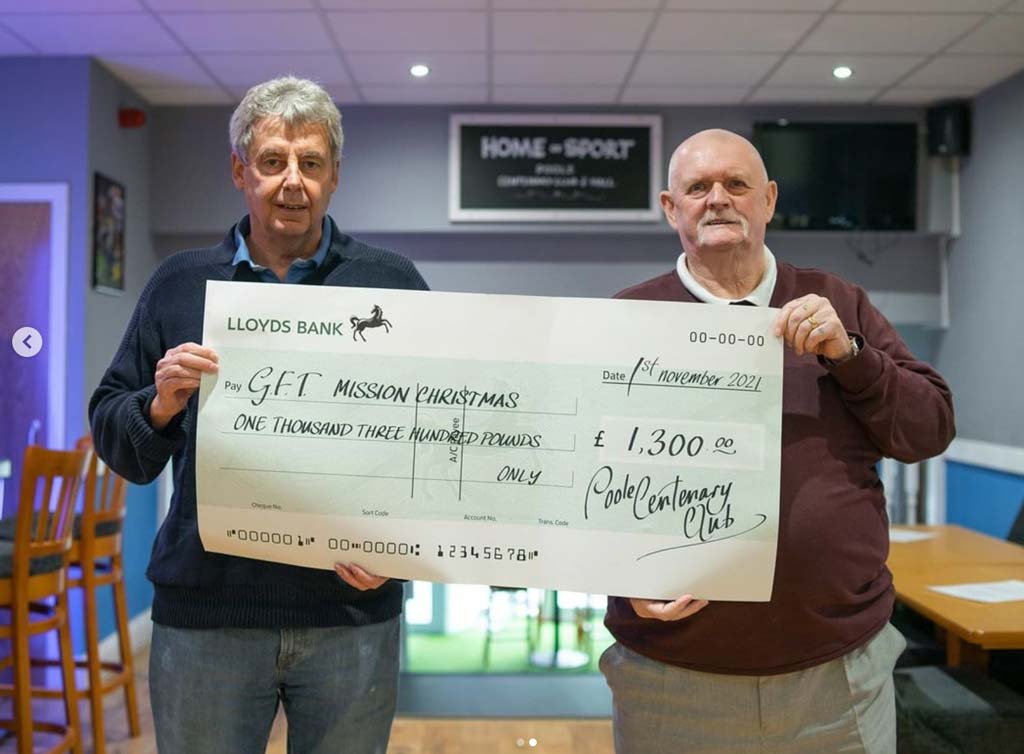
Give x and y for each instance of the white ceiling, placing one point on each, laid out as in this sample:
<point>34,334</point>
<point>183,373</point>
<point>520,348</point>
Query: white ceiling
<point>600,52</point>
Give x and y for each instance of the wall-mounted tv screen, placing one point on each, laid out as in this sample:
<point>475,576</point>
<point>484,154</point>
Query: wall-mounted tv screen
<point>841,176</point>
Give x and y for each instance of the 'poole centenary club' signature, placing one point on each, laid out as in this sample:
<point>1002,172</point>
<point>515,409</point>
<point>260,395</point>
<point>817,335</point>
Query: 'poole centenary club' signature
<point>705,510</point>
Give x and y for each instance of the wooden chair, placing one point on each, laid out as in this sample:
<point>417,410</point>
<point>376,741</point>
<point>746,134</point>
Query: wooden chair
<point>33,568</point>
<point>96,561</point>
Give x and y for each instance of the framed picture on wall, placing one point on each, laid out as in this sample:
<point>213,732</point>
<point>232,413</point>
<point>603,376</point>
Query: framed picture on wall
<point>108,249</point>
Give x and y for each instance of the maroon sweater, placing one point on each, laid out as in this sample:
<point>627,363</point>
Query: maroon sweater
<point>832,589</point>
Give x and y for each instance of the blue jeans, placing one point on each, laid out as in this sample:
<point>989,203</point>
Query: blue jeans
<point>217,691</point>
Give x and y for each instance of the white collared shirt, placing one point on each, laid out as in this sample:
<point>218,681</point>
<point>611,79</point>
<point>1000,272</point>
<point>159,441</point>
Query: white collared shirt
<point>760,296</point>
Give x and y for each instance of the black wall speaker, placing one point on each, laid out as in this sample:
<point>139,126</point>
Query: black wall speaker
<point>949,129</point>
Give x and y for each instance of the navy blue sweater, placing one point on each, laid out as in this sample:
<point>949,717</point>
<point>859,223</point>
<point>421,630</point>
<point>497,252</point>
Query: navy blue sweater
<point>195,588</point>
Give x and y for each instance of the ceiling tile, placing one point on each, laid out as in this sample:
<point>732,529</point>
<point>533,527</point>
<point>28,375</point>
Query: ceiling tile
<point>446,68</point>
<point>568,68</point>
<point>75,34</point>
<point>252,68</point>
<point>700,70</point>
<point>900,34</point>
<point>575,4</point>
<point>414,95</point>
<point>923,96</point>
<point>918,6</point>
<point>756,5</point>
<point>71,6</point>
<point>595,31</point>
<point>558,95</point>
<point>157,70</point>
<point>404,4</point>
<point>979,71</point>
<point>816,70</point>
<point>1000,34</point>
<point>11,45</point>
<point>814,94</point>
<point>730,32</point>
<point>438,31</point>
<point>248,6</point>
<point>248,32</point>
<point>181,95</point>
<point>685,95</point>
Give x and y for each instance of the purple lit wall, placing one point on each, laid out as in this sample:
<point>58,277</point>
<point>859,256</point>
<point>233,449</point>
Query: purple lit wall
<point>59,126</point>
<point>45,137</point>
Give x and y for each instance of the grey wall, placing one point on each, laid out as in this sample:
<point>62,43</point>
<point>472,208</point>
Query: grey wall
<point>599,265</point>
<point>64,128</point>
<point>565,264</point>
<point>394,174</point>
<point>46,109</point>
<point>982,355</point>
<point>121,154</point>
<point>393,191</point>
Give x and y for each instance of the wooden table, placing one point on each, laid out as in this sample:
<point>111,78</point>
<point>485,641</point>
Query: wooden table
<point>961,556</point>
<point>950,545</point>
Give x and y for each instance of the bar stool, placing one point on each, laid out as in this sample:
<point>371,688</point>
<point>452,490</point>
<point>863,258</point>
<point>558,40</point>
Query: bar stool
<point>33,568</point>
<point>96,561</point>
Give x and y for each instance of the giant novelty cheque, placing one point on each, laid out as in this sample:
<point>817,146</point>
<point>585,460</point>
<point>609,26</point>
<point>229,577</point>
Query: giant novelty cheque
<point>605,446</point>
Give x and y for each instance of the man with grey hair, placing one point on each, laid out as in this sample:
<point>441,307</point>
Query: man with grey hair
<point>232,637</point>
<point>811,669</point>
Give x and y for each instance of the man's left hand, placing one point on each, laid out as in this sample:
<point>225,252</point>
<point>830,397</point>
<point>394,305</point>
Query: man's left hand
<point>810,324</point>
<point>356,577</point>
<point>664,610</point>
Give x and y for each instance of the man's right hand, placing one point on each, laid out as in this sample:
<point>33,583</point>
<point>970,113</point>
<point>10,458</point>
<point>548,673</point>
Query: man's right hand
<point>177,377</point>
<point>678,609</point>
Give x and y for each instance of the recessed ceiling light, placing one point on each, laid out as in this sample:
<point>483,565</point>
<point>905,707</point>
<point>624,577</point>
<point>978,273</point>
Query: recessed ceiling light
<point>419,70</point>
<point>842,71</point>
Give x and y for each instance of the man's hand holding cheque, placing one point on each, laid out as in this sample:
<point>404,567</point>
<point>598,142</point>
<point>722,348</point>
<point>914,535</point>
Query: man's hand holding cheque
<point>810,324</point>
<point>177,378</point>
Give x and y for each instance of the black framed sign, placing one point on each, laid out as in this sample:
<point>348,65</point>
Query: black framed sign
<point>554,168</point>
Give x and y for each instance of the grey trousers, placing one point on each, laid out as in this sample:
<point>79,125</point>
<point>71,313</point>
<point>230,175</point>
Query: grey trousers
<point>845,705</point>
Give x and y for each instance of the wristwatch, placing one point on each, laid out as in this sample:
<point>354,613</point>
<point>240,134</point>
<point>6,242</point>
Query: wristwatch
<point>856,345</point>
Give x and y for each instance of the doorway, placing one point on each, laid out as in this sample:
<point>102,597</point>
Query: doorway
<point>33,289</point>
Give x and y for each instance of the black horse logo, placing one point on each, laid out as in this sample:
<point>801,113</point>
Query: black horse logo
<point>376,319</point>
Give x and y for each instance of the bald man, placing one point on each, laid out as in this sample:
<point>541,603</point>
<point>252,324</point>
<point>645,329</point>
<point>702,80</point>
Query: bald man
<point>811,670</point>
